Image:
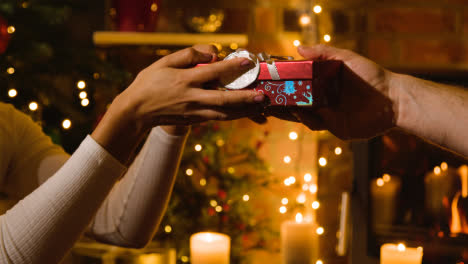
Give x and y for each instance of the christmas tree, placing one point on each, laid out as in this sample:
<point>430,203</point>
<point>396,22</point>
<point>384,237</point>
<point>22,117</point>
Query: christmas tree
<point>49,67</point>
<point>216,188</point>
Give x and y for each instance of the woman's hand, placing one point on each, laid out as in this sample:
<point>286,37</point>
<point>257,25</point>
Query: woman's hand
<point>367,105</point>
<point>170,92</point>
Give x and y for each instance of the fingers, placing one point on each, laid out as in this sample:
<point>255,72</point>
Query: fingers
<point>229,69</point>
<point>185,58</point>
<point>311,120</point>
<point>321,52</point>
<point>210,49</point>
<point>215,98</point>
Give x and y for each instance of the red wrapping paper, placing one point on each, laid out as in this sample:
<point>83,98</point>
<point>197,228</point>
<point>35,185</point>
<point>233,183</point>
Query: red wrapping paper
<point>302,83</point>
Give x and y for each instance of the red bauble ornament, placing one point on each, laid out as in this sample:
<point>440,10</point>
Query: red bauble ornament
<point>211,211</point>
<point>4,35</point>
<point>137,15</point>
<point>222,194</point>
<point>226,208</point>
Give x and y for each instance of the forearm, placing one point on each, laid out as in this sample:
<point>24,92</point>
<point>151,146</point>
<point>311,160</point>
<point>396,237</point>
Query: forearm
<point>436,112</point>
<point>136,205</point>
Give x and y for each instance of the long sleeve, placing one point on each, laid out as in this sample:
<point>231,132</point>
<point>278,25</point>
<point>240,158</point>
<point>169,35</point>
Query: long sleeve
<point>134,209</point>
<point>43,226</point>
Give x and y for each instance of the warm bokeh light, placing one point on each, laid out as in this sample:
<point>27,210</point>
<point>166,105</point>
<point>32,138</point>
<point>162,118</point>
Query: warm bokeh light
<point>320,231</point>
<point>219,208</point>
<point>12,93</point>
<point>444,166</point>
<point>219,142</point>
<point>184,259</point>
<point>11,29</point>
<point>285,201</point>
<point>319,262</point>
<point>66,124</point>
<point>315,205</point>
<point>437,170</point>
<point>198,147</point>
<point>81,84</point>
<point>213,203</point>
<point>83,95</point>
<point>246,197</point>
<point>293,135</point>
<point>234,46</point>
<point>299,218</point>
<point>338,151</point>
<point>296,43</point>
<point>380,182</point>
<point>202,182</point>
<point>304,20</point>
<point>287,159</point>
<point>323,162</point>
<point>33,106</point>
<point>10,70</point>
<point>386,177</point>
<point>154,7</point>
<point>301,198</point>
<point>317,9</point>
<point>189,172</point>
<point>307,177</point>
<point>85,102</point>
<point>305,187</point>
<point>231,170</point>
<point>313,188</point>
<point>283,209</point>
<point>327,38</point>
<point>168,229</point>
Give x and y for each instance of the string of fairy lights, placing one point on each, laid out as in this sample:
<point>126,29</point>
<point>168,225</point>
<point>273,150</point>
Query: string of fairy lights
<point>309,19</point>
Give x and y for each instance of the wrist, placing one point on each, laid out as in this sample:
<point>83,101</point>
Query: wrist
<point>395,95</point>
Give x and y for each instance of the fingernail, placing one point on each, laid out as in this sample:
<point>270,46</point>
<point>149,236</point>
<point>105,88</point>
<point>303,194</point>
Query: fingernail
<point>208,56</point>
<point>259,98</point>
<point>245,63</point>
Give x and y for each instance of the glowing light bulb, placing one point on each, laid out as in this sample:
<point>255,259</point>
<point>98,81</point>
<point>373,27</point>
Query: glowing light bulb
<point>296,43</point>
<point>184,259</point>
<point>234,46</point>
<point>317,9</point>
<point>33,106</point>
<point>307,177</point>
<point>313,188</point>
<point>219,208</point>
<point>323,162</point>
<point>327,38</point>
<point>81,84</point>
<point>11,29</point>
<point>168,229</point>
<point>66,124</point>
<point>301,198</point>
<point>292,179</point>
<point>85,102</point>
<point>305,187</point>
<point>320,231</point>
<point>315,205</point>
<point>304,20</point>
<point>437,170</point>
<point>285,201</point>
<point>10,70</point>
<point>319,262</point>
<point>189,172</point>
<point>231,170</point>
<point>12,93</point>
<point>219,142</point>
<point>338,151</point>
<point>293,135</point>
<point>283,209</point>
<point>246,197</point>
<point>213,203</point>
<point>198,147</point>
<point>299,218</point>
<point>287,159</point>
<point>154,7</point>
<point>83,95</point>
<point>202,182</point>
<point>380,182</point>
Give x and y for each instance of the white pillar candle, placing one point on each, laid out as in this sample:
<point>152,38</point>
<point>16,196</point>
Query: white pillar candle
<point>209,248</point>
<point>399,254</point>
<point>298,241</point>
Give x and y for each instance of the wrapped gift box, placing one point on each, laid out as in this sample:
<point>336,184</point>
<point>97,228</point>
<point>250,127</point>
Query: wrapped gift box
<point>301,83</point>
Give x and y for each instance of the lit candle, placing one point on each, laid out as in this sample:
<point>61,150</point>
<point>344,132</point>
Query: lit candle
<point>209,248</point>
<point>299,243</point>
<point>384,199</point>
<point>399,254</point>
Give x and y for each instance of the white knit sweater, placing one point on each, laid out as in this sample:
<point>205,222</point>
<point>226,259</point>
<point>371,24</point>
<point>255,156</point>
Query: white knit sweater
<point>59,195</point>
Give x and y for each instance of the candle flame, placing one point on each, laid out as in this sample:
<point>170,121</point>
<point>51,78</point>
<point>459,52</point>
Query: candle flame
<point>401,247</point>
<point>299,218</point>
